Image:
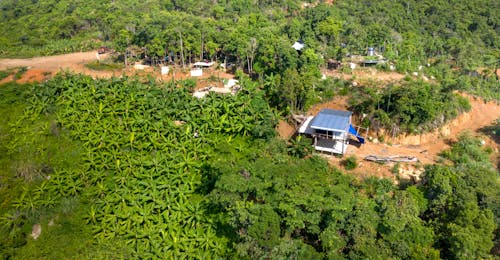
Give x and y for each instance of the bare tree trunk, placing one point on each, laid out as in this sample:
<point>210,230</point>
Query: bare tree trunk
<point>248,66</point>
<point>497,72</point>
<point>201,53</point>
<point>182,51</point>
<point>126,54</point>
<point>252,47</point>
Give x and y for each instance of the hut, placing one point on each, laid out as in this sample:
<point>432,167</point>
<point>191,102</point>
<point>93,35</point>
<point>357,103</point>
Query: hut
<point>330,130</point>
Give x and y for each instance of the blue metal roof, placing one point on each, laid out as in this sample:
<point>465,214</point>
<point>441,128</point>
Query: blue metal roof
<point>332,120</point>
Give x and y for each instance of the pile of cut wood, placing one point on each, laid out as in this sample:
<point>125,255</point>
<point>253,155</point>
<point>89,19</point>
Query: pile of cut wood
<point>394,158</point>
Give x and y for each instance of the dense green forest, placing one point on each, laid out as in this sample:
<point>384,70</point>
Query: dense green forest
<point>258,34</point>
<point>415,29</point>
<point>134,168</point>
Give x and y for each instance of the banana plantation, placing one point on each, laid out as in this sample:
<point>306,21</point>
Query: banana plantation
<point>137,170</point>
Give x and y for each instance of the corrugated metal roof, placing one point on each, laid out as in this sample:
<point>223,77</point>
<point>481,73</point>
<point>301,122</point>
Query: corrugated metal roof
<point>332,120</point>
<point>305,128</point>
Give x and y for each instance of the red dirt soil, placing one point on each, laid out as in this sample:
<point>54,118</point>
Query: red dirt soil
<point>7,79</point>
<point>33,75</point>
<point>285,130</point>
<point>338,103</point>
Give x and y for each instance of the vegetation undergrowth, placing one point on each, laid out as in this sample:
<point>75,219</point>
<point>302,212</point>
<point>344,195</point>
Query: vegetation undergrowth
<point>408,107</point>
<point>104,65</point>
<point>34,151</point>
<point>5,73</point>
<point>46,47</point>
<point>19,72</point>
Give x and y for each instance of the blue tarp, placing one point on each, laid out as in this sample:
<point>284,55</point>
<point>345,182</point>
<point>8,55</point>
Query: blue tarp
<point>353,131</point>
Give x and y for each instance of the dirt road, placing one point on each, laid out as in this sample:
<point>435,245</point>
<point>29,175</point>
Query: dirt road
<point>51,63</point>
<point>39,68</point>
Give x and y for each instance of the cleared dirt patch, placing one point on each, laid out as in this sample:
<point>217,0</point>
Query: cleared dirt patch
<point>338,103</point>
<point>365,75</point>
<point>7,79</point>
<point>33,75</point>
<point>285,130</point>
<point>364,169</point>
<point>51,63</point>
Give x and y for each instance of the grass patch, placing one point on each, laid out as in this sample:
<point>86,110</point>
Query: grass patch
<point>33,148</point>
<point>20,72</point>
<point>96,65</point>
<point>4,74</point>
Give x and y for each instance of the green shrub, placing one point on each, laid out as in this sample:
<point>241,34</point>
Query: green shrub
<point>20,72</point>
<point>189,84</point>
<point>4,74</point>
<point>95,65</point>
<point>300,147</point>
<point>350,163</point>
<point>395,168</point>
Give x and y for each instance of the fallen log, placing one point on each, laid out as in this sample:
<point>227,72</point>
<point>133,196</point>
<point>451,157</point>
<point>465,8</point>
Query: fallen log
<point>394,158</point>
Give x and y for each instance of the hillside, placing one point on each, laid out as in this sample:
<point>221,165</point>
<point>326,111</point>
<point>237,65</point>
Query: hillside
<point>101,160</point>
<point>99,168</point>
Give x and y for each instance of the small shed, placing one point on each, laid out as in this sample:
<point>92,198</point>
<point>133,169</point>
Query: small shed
<point>202,64</point>
<point>330,130</point>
